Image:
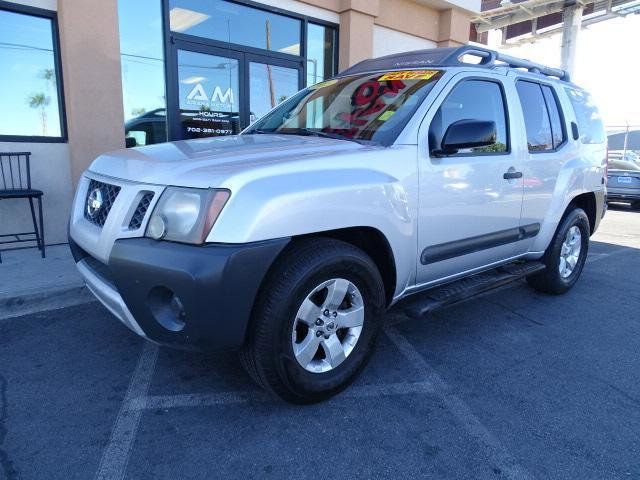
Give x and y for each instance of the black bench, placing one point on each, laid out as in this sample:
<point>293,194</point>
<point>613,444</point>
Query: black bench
<point>15,183</point>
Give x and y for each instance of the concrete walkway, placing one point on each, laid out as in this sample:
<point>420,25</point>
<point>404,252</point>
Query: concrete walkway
<point>30,283</point>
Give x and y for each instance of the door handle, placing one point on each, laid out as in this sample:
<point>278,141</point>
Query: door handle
<point>512,174</point>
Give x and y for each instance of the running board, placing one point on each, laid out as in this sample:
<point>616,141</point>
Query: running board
<point>419,304</point>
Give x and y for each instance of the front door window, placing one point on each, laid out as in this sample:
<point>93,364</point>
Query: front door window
<point>208,88</point>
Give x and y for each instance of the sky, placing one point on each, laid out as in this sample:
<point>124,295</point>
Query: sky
<point>26,53</point>
<point>606,65</point>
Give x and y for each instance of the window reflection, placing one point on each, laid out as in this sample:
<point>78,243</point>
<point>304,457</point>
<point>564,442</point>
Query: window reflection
<point>320,53</point>
<point>270,85</point>
<point>234,23</point>
<point>29,93</point>
<point>142,59</point>
<point>208,89</point>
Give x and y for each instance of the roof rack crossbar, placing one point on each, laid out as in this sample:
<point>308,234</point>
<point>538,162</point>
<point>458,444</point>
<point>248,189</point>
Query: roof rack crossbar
<point>452,57</point>
<point>490,57</point>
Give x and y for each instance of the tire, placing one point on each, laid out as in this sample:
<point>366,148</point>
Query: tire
<point>309,270</point>
<point>551,280</point>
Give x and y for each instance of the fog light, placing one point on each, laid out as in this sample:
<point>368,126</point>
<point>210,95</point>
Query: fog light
<point>167,309</point>
<point>157,227</point>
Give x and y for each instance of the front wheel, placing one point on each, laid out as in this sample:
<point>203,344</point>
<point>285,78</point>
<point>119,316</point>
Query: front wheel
<point>315,321</point>
<point>566,255</point>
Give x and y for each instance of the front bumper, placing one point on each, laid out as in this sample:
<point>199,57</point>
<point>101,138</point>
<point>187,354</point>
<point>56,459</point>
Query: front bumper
<point>215,285</point>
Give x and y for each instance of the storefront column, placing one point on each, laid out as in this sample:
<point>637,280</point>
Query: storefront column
<point>453,28</point>
<point>90,50</point>
<point>356,31</point>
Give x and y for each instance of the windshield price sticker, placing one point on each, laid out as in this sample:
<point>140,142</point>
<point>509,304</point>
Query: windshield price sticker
<point>409,75</point>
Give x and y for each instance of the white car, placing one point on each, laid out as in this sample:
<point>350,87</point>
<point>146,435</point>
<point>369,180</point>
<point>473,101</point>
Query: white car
<point>289,241</point>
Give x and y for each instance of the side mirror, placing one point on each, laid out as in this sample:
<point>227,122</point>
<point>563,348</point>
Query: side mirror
<point>130,142</point>
<point>467,134</point>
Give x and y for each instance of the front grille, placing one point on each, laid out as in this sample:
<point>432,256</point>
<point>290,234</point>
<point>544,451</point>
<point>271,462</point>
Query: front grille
<point>141,211</point>
<point>102,196</point>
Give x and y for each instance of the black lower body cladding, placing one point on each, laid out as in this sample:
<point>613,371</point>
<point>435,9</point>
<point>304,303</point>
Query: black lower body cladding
<point>215,286</point>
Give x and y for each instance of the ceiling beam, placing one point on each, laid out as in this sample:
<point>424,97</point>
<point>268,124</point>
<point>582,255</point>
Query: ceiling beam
<point>520,15</point>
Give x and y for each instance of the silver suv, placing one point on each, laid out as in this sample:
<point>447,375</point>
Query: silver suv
<point>417,177</point>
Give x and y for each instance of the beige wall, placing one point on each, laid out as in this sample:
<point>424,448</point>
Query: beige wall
<point>50,172</point>
<point>365,25</point>
<point>387,41</point>
<point>91,70</point>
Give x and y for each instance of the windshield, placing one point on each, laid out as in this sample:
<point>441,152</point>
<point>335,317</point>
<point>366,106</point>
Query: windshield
<point>372,107</point>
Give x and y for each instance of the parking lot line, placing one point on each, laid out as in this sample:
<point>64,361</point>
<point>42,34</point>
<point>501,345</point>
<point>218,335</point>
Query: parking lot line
<point>115,457</point>
<point>594,257</point>
<point>226,398</point>
<point>497,452</point>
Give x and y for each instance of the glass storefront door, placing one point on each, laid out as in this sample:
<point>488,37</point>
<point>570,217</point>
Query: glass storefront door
<point>217,91</point>
<point>208,94</point>
<point>270,84</point>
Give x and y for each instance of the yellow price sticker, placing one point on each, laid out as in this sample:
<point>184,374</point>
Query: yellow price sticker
<point>386,115</point>
<point>409,75</point>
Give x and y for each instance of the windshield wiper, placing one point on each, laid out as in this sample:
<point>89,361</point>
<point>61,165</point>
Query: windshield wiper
<point>320,133</point>
<point>310,133</point>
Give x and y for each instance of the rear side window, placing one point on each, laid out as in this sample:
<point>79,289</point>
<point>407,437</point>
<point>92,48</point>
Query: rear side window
<point>589,120</point>
<point>541,116</point>
<point>476,100</point>
<point>557,129</point>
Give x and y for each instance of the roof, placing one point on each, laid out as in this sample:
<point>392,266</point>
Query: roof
<point>451,57</point>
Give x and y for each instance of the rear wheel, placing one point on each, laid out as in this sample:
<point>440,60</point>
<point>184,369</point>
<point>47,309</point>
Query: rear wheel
<point>315,321</point>
<point>566,255</point>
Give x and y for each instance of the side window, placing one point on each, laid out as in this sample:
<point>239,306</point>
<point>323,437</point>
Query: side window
<point>536,117</point>
<point>557,130</point>
<point>589,121</point>
<point>472,100</point>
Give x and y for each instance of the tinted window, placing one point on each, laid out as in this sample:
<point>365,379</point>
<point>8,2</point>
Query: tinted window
<point>321,42</point>
<point>589,120</point>
<point>142,63</point>
<point>471,100</point>
<point>536,117</point>
<point>554,116</point>
<point>234,23</point>
<point>29,99</point>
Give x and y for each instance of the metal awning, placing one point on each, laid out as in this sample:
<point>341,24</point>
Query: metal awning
<point>534,14</point>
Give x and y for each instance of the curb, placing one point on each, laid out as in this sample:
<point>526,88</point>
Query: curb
<point>51,299</point>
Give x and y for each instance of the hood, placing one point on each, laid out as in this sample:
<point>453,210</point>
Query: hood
<point>207,162</point>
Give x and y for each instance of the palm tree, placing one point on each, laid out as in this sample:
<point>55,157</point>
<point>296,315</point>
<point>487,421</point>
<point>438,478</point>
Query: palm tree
<point>40,100</point>
<point>49,75</point>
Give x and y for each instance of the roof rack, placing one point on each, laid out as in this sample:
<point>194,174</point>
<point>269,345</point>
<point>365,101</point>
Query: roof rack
<point>452,57</point>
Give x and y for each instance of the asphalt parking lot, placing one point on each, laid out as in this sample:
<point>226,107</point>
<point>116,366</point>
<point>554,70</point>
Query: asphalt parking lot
<point>511,385</point>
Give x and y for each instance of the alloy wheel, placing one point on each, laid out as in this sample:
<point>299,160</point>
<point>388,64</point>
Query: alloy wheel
<point>328,325</point>
<point>570,251</point>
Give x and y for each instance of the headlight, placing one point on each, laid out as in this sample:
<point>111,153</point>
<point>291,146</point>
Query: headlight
<point>186,214</point>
